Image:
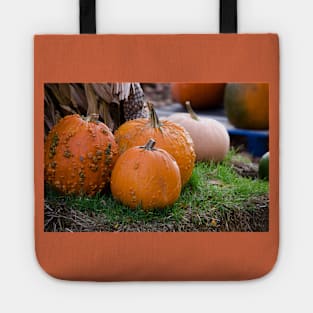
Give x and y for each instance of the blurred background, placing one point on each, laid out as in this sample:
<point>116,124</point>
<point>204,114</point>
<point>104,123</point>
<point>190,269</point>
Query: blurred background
<point>242,108</point>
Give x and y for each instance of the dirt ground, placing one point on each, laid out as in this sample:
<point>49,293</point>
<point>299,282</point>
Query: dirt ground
<point>64,219</point>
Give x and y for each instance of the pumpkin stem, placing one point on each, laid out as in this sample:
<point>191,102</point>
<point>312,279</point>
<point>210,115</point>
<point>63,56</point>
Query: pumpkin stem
<point>149,145</point>
<point>154,119</point>
<point>93,111</point>
<point>191,111</point>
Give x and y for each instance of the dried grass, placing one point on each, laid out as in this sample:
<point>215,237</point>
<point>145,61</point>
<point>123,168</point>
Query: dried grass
<point>60,218</point>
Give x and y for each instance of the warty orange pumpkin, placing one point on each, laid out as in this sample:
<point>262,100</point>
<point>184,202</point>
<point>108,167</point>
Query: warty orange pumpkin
<point>79,154</point>
<point>210,137</point>
<point>169,136</point>
<point>146,177</point>
<point>202,96</point>
<point>247,105</point>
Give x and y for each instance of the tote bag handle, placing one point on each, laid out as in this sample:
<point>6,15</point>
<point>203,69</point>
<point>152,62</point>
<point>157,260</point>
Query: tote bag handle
<point>228,16</point>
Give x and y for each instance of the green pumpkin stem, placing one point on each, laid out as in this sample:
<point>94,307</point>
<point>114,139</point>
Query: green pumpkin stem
<point>154,119</point>
<point>149,145</point>
<point>191,111</point>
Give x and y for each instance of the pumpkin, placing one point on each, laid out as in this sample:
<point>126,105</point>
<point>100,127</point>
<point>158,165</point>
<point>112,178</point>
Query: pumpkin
<point>202,96</point>
<point>146,177</point>
<point>79,155</point>
<point>170,136</point>
<point>210,137</point>
<point>264,166</point>
<point>247,105</point>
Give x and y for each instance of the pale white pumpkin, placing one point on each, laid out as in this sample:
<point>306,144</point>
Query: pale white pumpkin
<point>210,137</point>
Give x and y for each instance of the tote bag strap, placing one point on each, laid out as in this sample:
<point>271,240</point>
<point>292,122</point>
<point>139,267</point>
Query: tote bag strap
<point>87,16</point>
<point>228,16</point>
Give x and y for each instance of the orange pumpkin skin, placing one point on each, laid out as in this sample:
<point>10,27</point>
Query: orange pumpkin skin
<point>146,178</point>
<point>79,156</point>
<point>202,96</point>
<point>247,105</point>
<point>169,136</point>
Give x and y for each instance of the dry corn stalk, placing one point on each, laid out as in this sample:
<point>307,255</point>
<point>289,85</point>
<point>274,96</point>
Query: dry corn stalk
<point>117,102</point>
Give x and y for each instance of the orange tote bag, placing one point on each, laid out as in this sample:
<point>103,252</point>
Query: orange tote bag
<point>156,156</point>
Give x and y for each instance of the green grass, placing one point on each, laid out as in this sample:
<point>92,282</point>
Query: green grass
<point>212,188</point>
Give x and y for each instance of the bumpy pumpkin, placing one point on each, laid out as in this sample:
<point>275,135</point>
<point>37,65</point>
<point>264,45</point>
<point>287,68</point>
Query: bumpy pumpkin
<point>79,154</point>
<point>210,137</point>
<point>169,136</point>
<point>146,177</point>
<point>247,105</point>
<point>202,96</point>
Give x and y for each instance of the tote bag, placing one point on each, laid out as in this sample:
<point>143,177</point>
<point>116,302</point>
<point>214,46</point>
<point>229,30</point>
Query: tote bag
<point>126,191</point>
